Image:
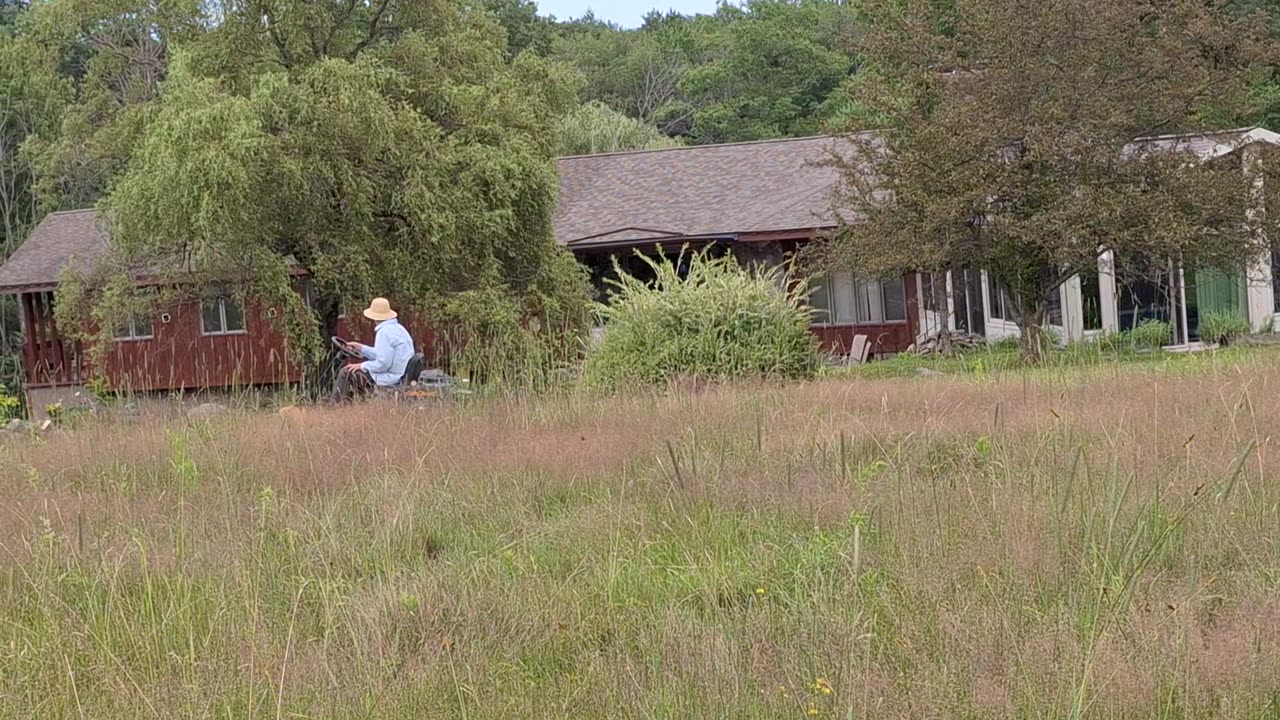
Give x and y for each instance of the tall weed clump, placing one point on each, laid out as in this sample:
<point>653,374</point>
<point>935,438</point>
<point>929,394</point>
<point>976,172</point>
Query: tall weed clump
<point>1222,327</point>
<point>716,321</point>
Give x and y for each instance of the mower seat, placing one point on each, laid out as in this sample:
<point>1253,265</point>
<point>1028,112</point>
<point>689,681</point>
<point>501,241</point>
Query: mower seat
<point>413,369</point>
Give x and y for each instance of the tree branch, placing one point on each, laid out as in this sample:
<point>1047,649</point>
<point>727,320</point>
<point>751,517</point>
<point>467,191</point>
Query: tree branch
<point>373,28</point>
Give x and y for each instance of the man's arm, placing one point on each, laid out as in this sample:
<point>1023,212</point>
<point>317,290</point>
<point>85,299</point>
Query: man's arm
<point>380,355</point>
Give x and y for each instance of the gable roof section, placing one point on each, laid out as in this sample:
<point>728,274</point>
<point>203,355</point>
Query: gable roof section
<point>62,239</point>
<point>703,190</point>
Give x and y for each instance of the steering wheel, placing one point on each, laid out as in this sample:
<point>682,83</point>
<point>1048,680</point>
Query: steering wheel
<point>340,345</point>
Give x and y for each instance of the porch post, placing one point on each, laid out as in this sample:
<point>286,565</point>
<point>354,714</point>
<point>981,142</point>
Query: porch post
<point>1107,295</point>
<point>28,337</point>
<point>1259,294</point>
<point>1072,310</point>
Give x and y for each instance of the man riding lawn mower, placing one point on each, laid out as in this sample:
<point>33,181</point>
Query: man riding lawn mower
<point>389,367</point>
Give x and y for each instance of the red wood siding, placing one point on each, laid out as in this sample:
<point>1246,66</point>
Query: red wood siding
<point>884,338</point>
<point>180,356</point>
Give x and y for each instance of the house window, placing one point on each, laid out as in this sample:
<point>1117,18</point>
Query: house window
<point>134,327</point>
<point>839,299</point>
<point>832,299</point>
<point>1275,280</point>
<point>997,298</point>
<point>893,301</point>
<point>221,316</point>
<point>1091,300</point>
<point>933,289</point>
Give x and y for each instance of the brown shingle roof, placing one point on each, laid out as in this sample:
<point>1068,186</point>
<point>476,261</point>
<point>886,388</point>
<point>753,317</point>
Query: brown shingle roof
<point>61,239</point>
<point>766,186</point>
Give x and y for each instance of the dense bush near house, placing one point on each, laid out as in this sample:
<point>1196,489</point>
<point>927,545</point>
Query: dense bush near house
<point>1151,334</point>
<point>718,321</point>
<point>10,404</point>
<point>1222,327</point>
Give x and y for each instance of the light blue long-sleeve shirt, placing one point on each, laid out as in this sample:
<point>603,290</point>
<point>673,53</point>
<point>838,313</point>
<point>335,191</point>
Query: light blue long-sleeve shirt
<point>391,351</point>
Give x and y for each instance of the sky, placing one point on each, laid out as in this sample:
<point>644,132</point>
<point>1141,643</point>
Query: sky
<point>627,13</point>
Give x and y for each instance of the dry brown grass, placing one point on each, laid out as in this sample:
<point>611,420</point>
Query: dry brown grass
<point>1101,547</point>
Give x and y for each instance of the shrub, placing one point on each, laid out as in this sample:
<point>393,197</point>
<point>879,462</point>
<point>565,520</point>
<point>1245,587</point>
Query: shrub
<point>1222,327</point>
<point>10,404</point>
<point>719,321</point>
<point>1151,334</point>
<point>1009,343</point>
<point>1111,341</point>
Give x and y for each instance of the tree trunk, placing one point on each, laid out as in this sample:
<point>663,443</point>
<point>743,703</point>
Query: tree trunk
<point>318,375</point>
<point>939,285</point>
<point>1035,339</point>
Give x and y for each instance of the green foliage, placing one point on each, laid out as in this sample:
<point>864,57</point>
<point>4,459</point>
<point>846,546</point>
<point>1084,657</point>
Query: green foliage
<point>717,321</point>
<point>767,68</point>
<point>10,405</point>
<point>1020,159</point>
<point>413,162</point>
<point>1222,327</point>
<point>491,337</point>
<point>1005,343</point>
<point>597,128</point>
<point>1151,334</point>
<point>776,70</point>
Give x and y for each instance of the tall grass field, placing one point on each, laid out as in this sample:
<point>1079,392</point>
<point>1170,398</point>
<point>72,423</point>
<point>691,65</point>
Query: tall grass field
<point>1092,545</point>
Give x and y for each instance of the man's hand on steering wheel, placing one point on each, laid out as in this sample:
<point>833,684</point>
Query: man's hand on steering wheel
<point>348,348</point>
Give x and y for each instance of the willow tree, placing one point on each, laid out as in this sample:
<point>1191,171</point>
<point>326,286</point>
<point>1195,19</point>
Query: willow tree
<point>1013,137</point>
<point>386,148</point>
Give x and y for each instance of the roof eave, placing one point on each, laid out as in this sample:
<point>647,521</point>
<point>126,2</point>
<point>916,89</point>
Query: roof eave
<point>580,245</point>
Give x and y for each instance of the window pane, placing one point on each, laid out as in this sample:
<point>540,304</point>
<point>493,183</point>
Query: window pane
<point>842,287</point>
<point>1091,300</point>
<point>1275,279</point>
<point>895,300</point>
<point>234,315</point>
<point>142,326</point>
<point>120,330</point>
<point>820,300</point>
<point>870,304</point>
<point>210,317</point>
<point>995,297</point>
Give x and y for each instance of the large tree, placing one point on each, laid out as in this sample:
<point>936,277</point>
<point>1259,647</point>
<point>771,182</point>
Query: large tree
<point>595,127</point>
<point>773,71</point>
<point>1009,137</point>
<point>389,148</point>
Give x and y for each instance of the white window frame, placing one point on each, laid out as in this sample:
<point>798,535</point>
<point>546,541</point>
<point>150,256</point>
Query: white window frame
<point>133,334</point>
<point>222,319</point>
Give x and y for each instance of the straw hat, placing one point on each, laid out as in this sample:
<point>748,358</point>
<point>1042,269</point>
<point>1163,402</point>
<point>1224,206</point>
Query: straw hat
<point>379,310</point>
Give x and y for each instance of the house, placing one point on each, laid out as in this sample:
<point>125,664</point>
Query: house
<point>761,201</point>
<point>1109,300</point>
<point>192,344</point>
